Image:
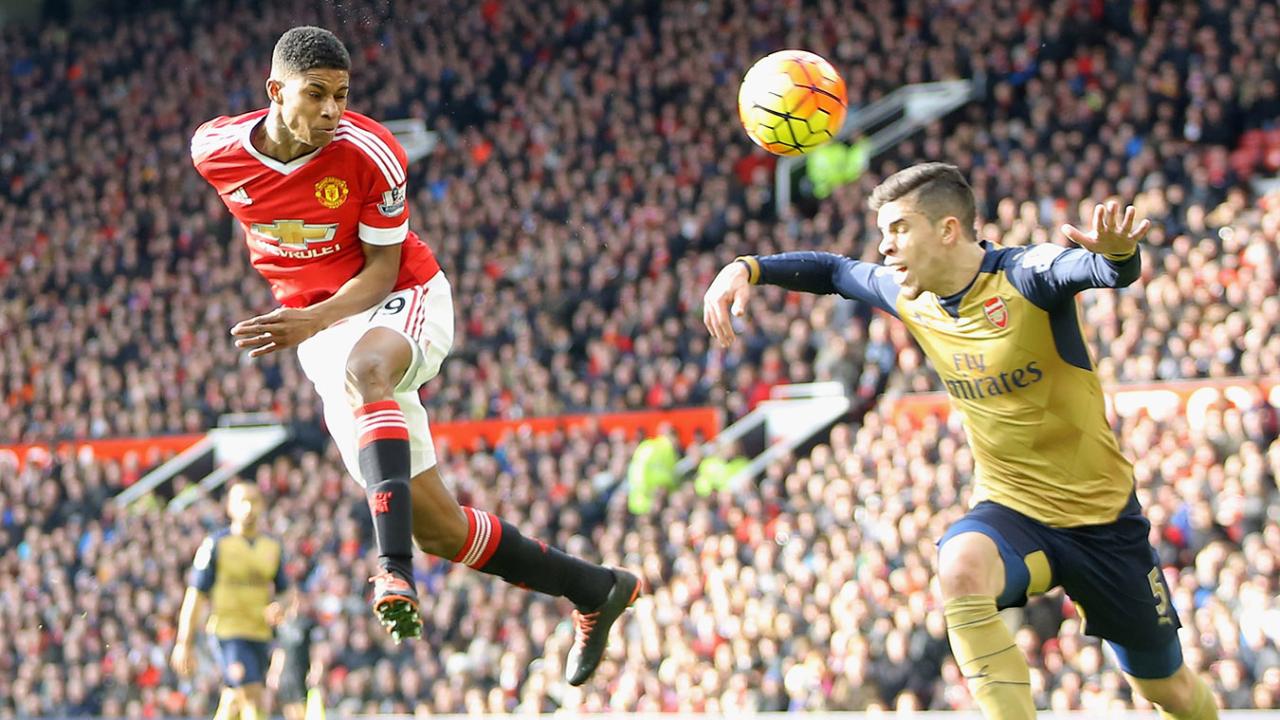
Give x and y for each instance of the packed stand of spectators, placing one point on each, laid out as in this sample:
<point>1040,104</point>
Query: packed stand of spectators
<point>1066,130</point>
<point>591,178</point>
<point>810,589</point>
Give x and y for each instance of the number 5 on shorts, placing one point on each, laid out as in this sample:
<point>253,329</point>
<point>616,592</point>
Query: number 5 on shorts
<point>1161,595</point>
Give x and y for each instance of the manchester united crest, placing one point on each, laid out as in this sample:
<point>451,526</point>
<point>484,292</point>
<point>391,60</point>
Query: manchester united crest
<point>331,192</point>
<point>997,312</point>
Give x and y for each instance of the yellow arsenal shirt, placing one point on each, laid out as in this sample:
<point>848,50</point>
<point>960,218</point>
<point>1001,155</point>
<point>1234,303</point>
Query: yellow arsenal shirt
<point>1011,354</point>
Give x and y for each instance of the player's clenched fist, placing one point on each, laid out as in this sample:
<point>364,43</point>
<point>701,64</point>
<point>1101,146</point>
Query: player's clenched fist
<point>726,299</point>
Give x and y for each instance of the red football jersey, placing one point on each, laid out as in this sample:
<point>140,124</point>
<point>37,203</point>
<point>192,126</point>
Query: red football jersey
<point>304,220</point>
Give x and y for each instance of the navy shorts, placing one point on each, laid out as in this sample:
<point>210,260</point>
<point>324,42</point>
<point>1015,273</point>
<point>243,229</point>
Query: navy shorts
<point>1110,572</point>
<point>243,662</point>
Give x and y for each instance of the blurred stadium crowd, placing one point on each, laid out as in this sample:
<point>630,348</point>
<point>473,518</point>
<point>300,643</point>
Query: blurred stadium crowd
<point>590,180</point>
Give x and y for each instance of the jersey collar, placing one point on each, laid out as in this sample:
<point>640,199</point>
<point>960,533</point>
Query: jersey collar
<point>246,139</point>
<point>990,259</point>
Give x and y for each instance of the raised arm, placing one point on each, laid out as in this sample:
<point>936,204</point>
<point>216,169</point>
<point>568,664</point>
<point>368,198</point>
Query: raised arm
<point>827,274</point>
<point>813,272</point>
<point>1107,258</point>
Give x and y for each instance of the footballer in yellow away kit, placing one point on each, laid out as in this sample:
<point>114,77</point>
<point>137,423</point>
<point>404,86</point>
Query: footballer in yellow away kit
<point>1054,496</point>
<point>237,572</point>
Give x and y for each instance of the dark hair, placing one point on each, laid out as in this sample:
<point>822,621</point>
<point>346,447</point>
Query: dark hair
<point>937,189</point>
<point>308,48</point>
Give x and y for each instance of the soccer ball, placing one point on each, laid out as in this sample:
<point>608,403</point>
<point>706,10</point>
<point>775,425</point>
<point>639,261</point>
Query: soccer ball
<point>791,102</point>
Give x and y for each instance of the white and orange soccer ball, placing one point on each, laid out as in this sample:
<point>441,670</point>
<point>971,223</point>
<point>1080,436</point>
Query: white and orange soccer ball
<point>791,102</point>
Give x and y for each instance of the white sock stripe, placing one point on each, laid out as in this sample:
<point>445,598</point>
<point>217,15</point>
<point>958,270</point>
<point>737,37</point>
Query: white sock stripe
<point>378,426</point>
<point>402,428</point>
<point>385,423</point>
<point>483,531</point>
<point>470,557</point>
<point>381,415</point>
<point>483,542</point>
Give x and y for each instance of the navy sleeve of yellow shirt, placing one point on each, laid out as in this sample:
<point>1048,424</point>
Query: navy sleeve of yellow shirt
<point>281,581</point>
<point>204,568</point>
<point>827,274</point>
<point>1049,274</point>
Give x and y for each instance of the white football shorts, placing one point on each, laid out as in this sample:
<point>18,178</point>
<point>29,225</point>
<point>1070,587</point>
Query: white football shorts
<point>424,316</point>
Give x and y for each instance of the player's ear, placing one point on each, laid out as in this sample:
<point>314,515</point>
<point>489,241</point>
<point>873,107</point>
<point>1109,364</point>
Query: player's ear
<point>275,91</point>
<point>949,230</point>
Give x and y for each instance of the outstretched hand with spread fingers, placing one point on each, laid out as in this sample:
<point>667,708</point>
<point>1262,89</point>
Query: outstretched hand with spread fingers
<point>1112,234</point>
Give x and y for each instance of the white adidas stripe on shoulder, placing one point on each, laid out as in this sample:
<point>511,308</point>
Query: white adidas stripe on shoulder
<point>376,149</point>
<point>205,142</point>
<point>390,168</point>
<point>375,143</point>
<point>387,172</point>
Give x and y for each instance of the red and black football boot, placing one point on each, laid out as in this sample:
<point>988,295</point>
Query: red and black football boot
<point>395,602</point>
<point>592,628</point>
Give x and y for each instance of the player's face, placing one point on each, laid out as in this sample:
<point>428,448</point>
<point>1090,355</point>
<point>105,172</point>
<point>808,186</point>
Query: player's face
<point>244,504</point>
<point>312,103</point>
<point>912,246</point>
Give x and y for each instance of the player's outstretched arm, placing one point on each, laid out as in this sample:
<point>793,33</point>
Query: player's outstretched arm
<point>1107,257</point>
<point>819,273</point>
<point>824,273</point>
<point>1112,235</point>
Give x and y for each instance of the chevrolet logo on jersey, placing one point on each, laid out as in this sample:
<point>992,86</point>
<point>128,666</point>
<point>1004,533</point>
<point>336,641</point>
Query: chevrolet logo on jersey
<point>295,234</point>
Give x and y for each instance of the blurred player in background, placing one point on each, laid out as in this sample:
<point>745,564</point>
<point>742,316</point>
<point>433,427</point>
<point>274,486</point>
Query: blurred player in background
<point>321,195</point>
<point>292,672</point>
<point>1055,498</point>
<point>236,574</point>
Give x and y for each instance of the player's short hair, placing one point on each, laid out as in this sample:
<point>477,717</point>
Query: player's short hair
<point>937,189</point>
<point>309,48</point>
<point>243,486</point>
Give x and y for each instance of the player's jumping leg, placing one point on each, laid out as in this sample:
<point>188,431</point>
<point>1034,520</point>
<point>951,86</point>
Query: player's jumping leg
<point>251,705</point>
<point>228,705</point>
<point>483,542</point>
<point>376,363</point>
<point>429,513</point>
<point>1182,695</point>
<point>971,575</point>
